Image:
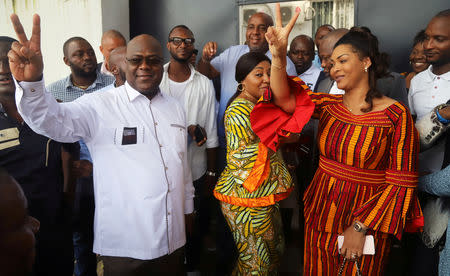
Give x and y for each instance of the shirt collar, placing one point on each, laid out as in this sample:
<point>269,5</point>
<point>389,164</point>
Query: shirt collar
<point>133,94</point>
<point>310,71</point>
<point>100,79</point>
<point>432,76</point>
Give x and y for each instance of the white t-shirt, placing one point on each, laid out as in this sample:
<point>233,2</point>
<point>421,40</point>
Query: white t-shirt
<point>197,96</point>
<point>310,76</point>
<point>335,90</point>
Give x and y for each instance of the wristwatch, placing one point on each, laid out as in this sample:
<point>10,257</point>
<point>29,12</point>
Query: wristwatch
<point>359,228</point>
<point>210,173</point>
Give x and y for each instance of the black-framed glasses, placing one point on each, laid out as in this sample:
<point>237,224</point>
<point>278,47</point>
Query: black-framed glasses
<point>150,60</point>
<point>178,40</point>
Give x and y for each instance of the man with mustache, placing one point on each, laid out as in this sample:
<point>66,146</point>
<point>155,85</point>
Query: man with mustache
<point>196,93</point>
<point>84,78</point>
<point>137,139</point>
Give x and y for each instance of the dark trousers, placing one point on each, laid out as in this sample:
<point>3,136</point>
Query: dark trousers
<point>83,233</point>
<point>172,264</point>
<point>226,253</point>
<point>202,205</point>
<point>54,251</point>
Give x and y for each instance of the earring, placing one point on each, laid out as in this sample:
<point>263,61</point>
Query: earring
<point>365,69</point>
<point>240,87</point>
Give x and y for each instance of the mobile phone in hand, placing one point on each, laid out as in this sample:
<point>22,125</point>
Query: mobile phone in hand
<point>199,134</point>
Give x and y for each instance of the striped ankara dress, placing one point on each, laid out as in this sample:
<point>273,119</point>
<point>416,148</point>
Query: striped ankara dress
<point>367,172</point>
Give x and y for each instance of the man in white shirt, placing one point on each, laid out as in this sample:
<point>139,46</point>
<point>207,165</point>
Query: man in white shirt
<point>137,140</point>
<point>195,93</point>
<point>301,52</point>
<point>431,87</point>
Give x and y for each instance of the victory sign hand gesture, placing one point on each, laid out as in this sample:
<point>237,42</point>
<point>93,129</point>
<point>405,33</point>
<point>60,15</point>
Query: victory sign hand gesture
<point>25,57</point>
<point>277,36</point>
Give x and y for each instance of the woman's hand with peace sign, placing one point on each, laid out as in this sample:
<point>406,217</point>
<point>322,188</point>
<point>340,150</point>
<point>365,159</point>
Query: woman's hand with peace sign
<point>277,36</point>
<point>25,57</point>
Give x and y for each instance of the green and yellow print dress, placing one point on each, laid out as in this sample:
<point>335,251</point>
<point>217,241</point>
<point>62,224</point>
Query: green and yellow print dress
<point>253,181</point>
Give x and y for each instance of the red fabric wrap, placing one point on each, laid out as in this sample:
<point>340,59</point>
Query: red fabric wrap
<point>270,122</point>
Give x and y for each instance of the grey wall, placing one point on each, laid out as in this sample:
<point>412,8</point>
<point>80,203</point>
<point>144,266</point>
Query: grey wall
<point>396,22</point>
<point>210,20</point>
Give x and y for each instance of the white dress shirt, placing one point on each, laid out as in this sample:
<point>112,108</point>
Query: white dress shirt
<point>141,185</point>
<point>310,76</point>
<point>197,96</point>
<point>427,91</point>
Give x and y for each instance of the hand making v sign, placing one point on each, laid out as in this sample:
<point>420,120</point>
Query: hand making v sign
<point>25,57</point>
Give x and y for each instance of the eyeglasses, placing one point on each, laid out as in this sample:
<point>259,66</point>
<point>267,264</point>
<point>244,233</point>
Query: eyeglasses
<point>150,60</point>
<point>178,40</point>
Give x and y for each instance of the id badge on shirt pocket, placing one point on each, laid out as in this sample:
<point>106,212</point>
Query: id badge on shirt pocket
<point>131,135</point>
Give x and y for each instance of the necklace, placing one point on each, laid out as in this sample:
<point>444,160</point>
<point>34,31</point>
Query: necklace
<point>348,106</point>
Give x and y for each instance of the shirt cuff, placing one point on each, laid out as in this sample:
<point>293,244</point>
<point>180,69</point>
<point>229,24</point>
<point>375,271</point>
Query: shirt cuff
<point>32,89</point>
<point>188,206</point>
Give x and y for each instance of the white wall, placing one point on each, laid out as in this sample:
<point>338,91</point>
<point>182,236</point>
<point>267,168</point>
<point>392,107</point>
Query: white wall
<point>62,19</point>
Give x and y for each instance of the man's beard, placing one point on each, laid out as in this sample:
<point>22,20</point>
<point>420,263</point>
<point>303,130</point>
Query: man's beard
<point>181,60</point>
<point>81,73</point>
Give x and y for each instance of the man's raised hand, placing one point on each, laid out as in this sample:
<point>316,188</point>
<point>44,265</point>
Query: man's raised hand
<point>25,57</point>
<point>277,36</point>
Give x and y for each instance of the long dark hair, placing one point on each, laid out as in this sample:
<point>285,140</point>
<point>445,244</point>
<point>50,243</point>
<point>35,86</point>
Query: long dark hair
<point>244,66</point>
<point>365,44</point>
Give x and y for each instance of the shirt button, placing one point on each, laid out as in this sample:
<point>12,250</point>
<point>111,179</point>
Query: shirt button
<point>435,87</point>
<point>438,78</point>
<point>166,168</point>
<point>168,213</point>
<point>160,145</point>
<point>156,123</point>
<point>432,97</point>
<point>32,90</point>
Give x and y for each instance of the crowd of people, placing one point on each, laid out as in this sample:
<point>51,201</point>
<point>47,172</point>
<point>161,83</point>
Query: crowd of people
<point>130,162</point>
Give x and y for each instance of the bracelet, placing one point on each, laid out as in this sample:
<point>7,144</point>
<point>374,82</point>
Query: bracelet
<point>279,67</point>
<point>359,228</point>
<point>210,173</point>
<point>441,119</point>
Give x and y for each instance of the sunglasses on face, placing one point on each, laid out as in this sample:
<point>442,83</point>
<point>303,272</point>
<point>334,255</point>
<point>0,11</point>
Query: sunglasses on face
<point>150,60</point>
<point>178,40</point>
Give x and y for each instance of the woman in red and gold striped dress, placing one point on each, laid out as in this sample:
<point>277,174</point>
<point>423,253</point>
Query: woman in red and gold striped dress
<point>367,176</point>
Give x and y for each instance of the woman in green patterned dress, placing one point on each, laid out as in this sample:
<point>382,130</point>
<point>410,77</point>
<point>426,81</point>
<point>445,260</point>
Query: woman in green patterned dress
<point>255,177</point>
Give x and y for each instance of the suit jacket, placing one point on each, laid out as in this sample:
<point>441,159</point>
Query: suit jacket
<point>323,84</point>
<point>394,86</point>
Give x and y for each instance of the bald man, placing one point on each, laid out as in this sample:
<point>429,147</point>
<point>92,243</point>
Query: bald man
<point>137,139</point>
<point>301,52</point>
<point>118,65</point>
<point>111,39</point>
